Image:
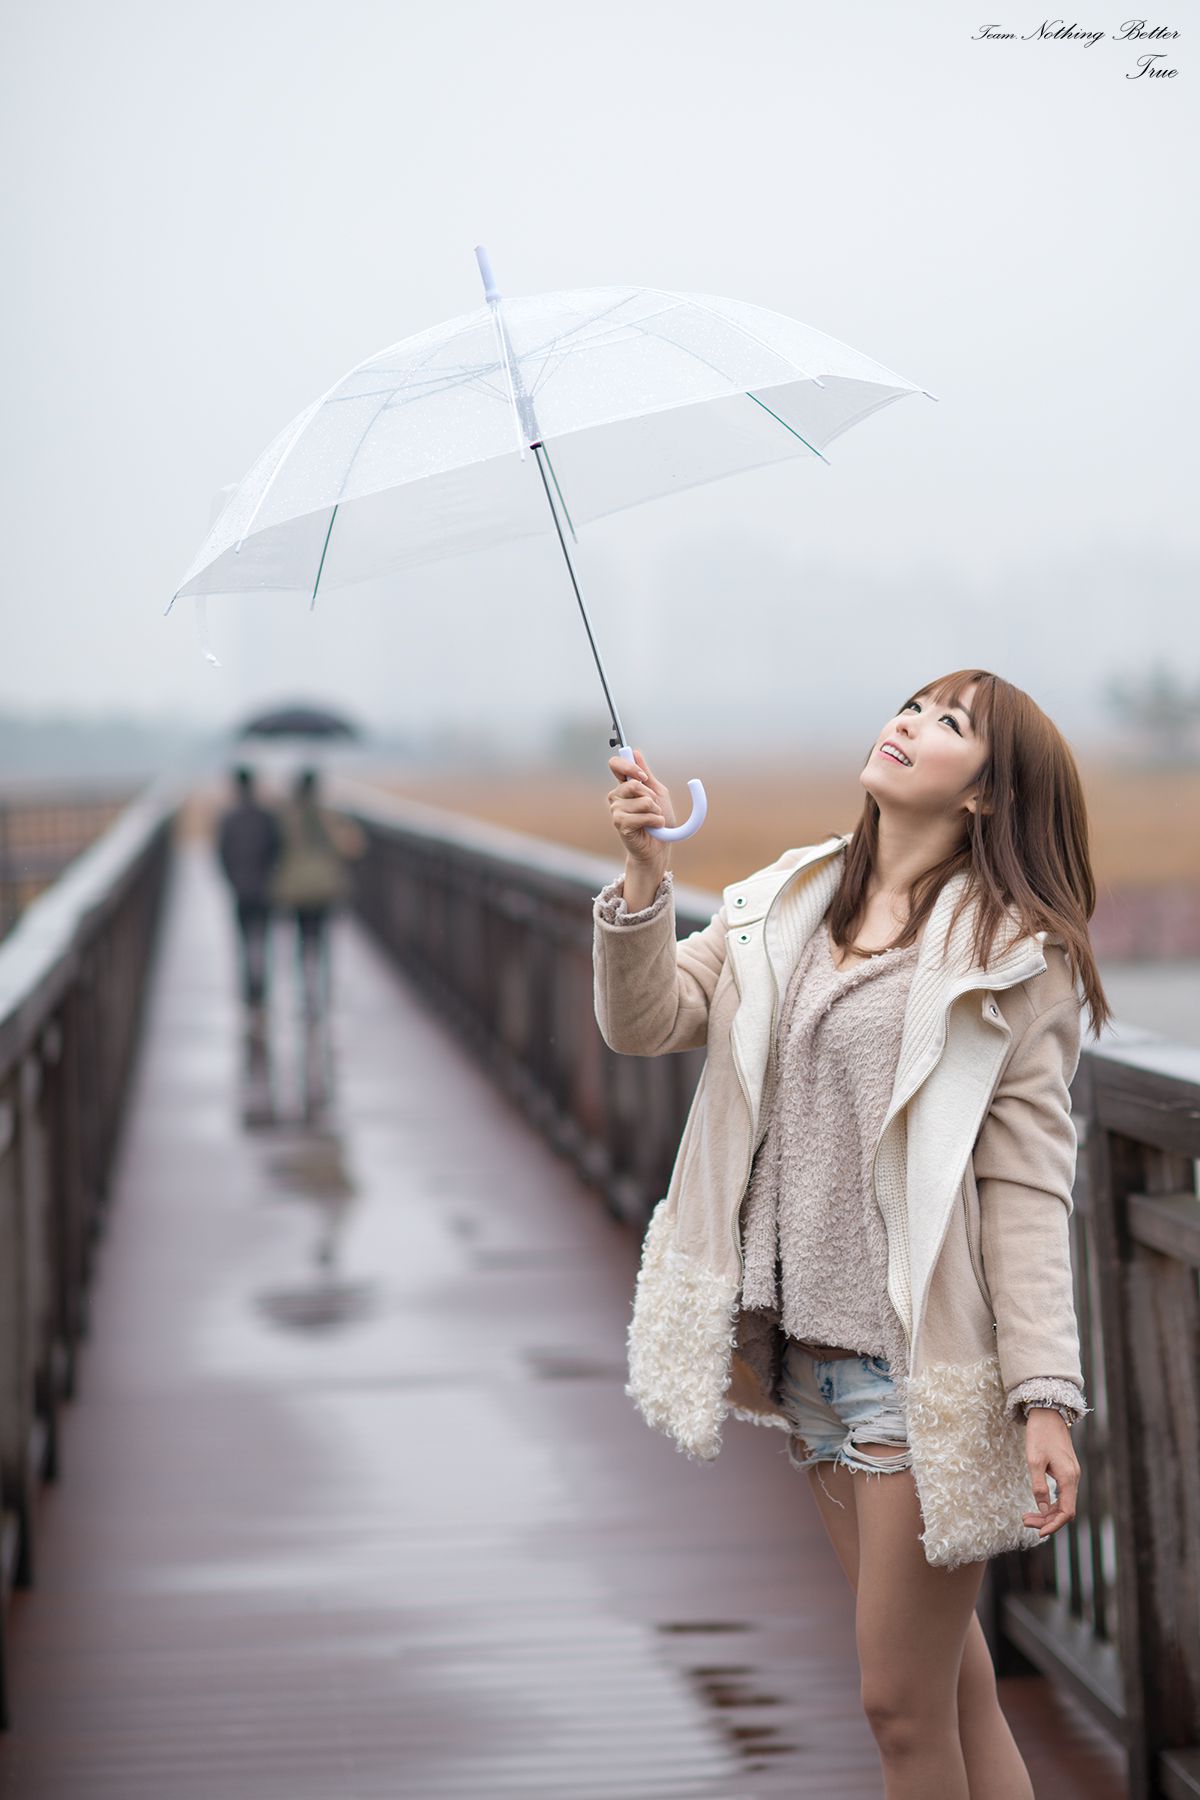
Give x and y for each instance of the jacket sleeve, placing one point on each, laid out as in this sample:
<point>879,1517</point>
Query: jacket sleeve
<point>652,991</point>
<point>1024,1163</point>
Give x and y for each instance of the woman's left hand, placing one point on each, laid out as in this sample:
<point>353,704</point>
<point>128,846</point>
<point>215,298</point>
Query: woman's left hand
<point>1048,1450</point>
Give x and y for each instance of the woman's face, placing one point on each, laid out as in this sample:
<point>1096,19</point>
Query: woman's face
<point>940,757</point>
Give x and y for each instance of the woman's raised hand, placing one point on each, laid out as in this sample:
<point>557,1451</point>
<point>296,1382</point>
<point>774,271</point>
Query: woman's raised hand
<point>640,800</point>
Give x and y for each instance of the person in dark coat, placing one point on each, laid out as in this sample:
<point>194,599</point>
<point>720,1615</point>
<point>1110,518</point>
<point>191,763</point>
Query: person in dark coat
<point>249,843</point>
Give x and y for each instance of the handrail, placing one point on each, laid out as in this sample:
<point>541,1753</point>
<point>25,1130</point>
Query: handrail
<point>73,975</point>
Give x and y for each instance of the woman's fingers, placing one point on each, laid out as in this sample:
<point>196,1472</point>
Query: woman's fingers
<point>1053,1513</point>
<point>632,768</point>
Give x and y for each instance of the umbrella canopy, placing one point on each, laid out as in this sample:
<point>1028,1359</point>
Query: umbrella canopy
<point>298,721</point>
<point>640,391</point>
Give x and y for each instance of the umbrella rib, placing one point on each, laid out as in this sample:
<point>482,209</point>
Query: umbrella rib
<point>306,420</point>
<point>786,426</point>
<point>634,325</point>
<point>691,300</point>
<point>550,348</point>
<point>321,564</point>
<point>466,377</point>
<point>678,301</point>
<point>385,406</point>
<point>413,390</point>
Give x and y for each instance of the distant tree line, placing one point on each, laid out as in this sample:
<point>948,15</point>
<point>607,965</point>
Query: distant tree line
<point>1161,706</point>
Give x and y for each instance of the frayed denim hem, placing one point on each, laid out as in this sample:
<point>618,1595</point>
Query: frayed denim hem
<point>849,1456</point>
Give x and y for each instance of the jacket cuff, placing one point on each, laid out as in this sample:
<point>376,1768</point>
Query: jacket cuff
<point>612,910</point>
<point>1046,1390</point>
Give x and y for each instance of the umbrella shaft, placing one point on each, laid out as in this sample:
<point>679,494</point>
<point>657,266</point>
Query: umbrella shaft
<point>540,453</point>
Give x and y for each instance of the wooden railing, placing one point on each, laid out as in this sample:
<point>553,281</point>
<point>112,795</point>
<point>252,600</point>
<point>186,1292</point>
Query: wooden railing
<point>73,975</point>
<point>497,927</point>
<point>1115,1609</point>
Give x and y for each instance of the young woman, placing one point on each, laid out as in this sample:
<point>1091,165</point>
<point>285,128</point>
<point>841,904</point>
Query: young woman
<point>865,1237</point>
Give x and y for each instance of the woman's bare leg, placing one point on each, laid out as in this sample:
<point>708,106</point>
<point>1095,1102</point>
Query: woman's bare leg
<point>832,1487</point>
<point>911,1624</point>
<point>994,1766</point>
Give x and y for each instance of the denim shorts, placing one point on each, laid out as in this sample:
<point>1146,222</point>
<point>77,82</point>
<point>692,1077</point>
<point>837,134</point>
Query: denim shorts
<point>837,1404</point>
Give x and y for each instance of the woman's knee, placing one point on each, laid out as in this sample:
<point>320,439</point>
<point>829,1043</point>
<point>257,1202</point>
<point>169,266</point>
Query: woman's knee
<point>902,1717</point>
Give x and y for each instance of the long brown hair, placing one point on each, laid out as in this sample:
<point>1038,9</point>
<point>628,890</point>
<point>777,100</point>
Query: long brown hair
<point>1024,850</point>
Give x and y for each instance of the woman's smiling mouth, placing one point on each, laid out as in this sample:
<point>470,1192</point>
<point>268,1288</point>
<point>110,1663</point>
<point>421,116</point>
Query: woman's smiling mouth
<point>894,753</point>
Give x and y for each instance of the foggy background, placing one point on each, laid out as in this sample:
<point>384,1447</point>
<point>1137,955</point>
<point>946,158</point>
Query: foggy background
<point>212,213</point>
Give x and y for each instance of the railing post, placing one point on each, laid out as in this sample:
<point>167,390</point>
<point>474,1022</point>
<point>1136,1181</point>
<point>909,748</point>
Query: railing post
<point>1152,1375</point>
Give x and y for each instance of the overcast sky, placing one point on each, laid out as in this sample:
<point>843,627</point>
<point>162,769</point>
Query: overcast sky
<point>212,212</point>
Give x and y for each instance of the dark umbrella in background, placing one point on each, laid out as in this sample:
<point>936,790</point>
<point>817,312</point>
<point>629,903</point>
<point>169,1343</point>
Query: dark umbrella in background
<point>282,740</point>
<point>299,721</point>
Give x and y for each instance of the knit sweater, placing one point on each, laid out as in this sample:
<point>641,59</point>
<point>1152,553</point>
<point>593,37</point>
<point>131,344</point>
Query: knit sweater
<point>814,1242</point>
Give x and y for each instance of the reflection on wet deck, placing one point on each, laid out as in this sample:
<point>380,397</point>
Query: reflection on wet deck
<point>353,1505</point>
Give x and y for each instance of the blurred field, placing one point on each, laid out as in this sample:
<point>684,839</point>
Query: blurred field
<point>1145,823</point>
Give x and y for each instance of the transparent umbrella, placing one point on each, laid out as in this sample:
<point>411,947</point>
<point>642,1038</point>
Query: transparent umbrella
<point>441,444</point>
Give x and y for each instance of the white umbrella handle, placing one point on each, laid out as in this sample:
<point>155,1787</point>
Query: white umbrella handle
<point>671,834</point>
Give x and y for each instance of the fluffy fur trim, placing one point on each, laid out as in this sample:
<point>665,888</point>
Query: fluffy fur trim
<point>969,1464</point>
<point>680,1342</point>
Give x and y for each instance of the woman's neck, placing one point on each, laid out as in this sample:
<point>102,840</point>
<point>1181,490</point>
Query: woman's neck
<point>905,848</point>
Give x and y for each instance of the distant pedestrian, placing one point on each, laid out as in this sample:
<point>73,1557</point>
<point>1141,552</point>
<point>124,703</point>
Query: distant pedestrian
<point>311,881</point>
<point>249,842</point>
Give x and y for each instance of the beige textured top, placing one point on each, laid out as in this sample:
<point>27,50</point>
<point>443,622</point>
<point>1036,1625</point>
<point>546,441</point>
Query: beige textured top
<point>813,1237</point>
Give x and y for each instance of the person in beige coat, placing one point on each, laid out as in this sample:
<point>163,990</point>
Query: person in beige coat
<point>972,848</point>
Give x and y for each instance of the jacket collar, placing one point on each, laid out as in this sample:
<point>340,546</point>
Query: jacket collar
<point>944,969</point>
<point>947,968</point>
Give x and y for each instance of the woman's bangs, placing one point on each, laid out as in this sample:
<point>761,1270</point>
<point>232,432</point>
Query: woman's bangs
<point>949,691</point>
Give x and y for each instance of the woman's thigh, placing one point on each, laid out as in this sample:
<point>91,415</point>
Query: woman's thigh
<point>833,1491</point>
<point>911,1620</point>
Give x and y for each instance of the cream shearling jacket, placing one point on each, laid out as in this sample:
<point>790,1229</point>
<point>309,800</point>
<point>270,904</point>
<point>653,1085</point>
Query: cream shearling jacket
<point>973,1173</point>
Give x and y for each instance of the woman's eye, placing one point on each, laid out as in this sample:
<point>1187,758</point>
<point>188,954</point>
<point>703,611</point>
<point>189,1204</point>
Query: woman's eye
<point>950,716</point>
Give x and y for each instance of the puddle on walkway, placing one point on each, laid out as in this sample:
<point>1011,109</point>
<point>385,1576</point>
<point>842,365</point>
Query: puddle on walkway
<point>312,1168</point>
<point>319,1306</point>
<point>731,1690</point>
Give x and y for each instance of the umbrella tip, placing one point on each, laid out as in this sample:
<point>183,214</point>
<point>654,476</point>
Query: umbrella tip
<point>490,290</point>
<point>928,395</point>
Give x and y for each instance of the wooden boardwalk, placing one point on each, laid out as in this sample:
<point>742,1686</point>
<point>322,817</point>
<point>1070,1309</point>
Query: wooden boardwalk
<point>353,1506</point>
